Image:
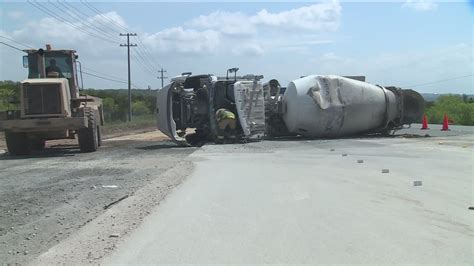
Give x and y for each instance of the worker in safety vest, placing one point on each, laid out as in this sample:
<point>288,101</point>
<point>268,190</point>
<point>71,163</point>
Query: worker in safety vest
<point>226,122</point>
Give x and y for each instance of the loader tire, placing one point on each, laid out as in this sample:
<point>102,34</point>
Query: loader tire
<point>99,136</point>
<point>88,137</point>
<point>17,143</point>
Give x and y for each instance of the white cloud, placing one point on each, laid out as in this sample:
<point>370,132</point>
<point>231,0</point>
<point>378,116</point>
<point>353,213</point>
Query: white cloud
<point>182,40</point>
<point>316,17</point>
<point>231,23</point>
<point>46,30</point>
<point>404,68</point>
<point>248,49</point>
<point>15,14</point>
<point>245,33</point>
<point>420,5</point>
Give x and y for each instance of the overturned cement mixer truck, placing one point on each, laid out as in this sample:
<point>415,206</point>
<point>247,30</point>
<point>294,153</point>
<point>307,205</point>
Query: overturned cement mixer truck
<point>315,106</point>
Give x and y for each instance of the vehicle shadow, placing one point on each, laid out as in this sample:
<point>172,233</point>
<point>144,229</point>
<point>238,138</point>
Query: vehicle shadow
<point>53,151</point>
<point>363,136</point>
<point>165,145</point>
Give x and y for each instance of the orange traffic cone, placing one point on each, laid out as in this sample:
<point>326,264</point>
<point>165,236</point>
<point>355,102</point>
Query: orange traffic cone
<point>425,122</point>
<point>445,123</point>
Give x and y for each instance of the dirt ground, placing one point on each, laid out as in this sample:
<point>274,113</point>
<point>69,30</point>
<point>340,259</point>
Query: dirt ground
<point>49,195</point>
<point>107,132</point>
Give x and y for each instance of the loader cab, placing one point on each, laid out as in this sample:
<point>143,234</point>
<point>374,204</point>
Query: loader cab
<point>53,64</point>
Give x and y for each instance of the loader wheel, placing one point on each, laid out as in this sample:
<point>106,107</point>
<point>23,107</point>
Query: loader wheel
<point>17,143</point>
<point>87,137</point>
<point>99,136</point>
<point>37,144</point>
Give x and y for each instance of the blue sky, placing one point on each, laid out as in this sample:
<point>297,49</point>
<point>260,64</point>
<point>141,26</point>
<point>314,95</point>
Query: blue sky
<point>392,43</point>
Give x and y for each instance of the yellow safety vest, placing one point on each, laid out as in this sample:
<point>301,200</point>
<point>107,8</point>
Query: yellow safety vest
<point>223,114</point>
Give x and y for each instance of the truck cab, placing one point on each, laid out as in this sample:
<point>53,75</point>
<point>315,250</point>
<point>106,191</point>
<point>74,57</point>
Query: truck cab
<point>187,107</point>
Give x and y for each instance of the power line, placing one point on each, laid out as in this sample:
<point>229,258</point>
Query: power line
<point>144,65</point>
<point>142,48</point>
<point>91,7</point>
<point>84,18</point>
<point>17,42</point>
<point>141,55</point>
<point>109,79</point>
<point>63,20</point>
<point>103,74</point>
<point>437,81</point>
<point>11,46</point>
<point>148,52</point>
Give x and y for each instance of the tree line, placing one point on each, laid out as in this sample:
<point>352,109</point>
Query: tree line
<point>459,108</point>
<point>115,101</point>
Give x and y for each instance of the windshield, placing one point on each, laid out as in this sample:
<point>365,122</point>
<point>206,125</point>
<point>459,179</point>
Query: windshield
<point>53,61</point>
<point>59,63</point>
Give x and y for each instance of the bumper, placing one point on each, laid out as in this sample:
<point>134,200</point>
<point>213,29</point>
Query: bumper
<point>47,124</point>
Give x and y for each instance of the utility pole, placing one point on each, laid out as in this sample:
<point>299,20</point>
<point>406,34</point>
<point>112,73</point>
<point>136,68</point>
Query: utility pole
<point>161,77</point>
<point>129,78</point>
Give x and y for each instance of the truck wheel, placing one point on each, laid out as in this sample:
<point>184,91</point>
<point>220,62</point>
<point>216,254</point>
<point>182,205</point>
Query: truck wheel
<point>17,143</point>
<point>37,144</point>
<point>87,137</point>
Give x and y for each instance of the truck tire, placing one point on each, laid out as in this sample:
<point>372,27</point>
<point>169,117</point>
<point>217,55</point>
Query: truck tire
<point>88,137</point>
<point>37,144</point>
<point>17,143</point>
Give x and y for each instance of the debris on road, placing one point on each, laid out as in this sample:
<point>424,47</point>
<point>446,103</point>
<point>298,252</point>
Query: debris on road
<point>385,171</point>
<point>114,235</point>
<point>344,154</point>
<point>360,161</point>
<point>416,183</point>
<point>115,202</point>
<point>109,186</point>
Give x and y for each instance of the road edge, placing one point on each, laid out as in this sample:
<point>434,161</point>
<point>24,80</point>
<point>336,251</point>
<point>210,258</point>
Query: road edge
<point>99,237</point>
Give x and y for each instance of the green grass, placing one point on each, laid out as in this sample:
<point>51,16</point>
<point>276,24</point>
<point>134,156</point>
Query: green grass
<point>138,122</point>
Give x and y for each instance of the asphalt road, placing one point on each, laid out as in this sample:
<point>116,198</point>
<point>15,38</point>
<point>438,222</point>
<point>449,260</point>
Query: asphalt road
<point>50,195</point>
<point>310,201</point>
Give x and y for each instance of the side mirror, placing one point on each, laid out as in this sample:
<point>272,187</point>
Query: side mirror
<point>25,61</point>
